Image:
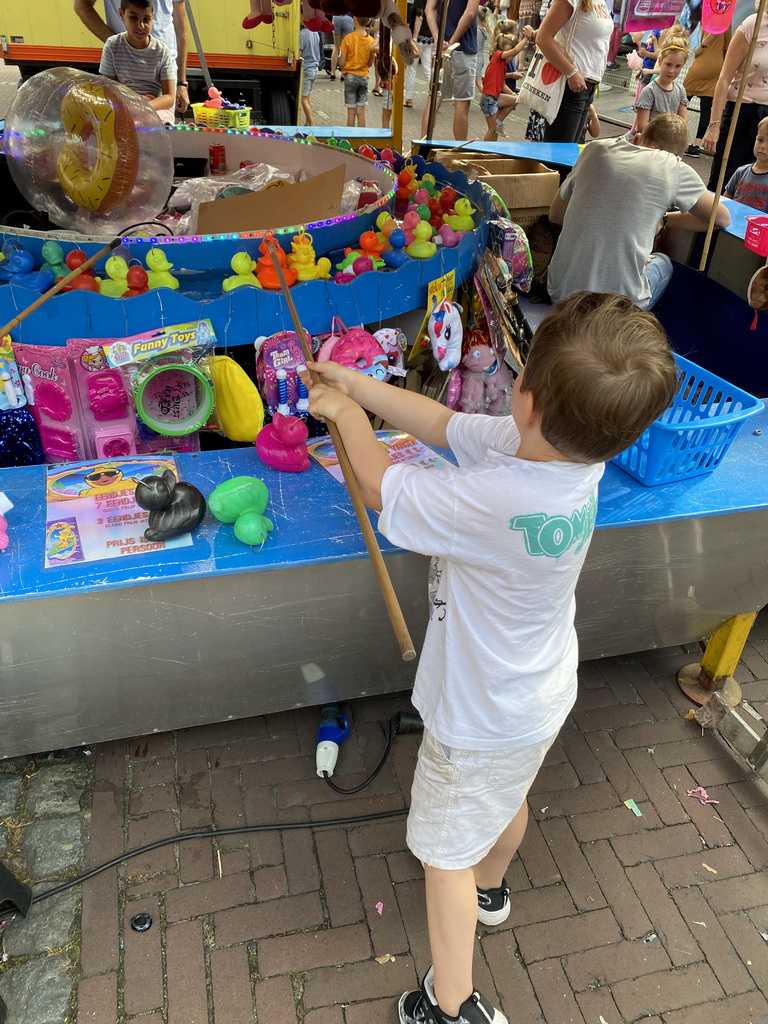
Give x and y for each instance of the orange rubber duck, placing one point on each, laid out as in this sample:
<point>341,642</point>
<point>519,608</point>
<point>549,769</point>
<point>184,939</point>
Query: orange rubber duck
<point>265,268</point>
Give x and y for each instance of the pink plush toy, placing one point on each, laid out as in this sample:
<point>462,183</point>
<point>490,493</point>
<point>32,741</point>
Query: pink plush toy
<point>281,444</point>
<point>484,379</point>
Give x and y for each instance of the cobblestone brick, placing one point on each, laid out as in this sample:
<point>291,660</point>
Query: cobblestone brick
<point>359,981</point>
<point>617,889</point>
<point>554,994</point>
<point>673,841</point>
<point>386,928</point>
<point>187,994</point>
<point>511,978</point>
<point>608,964</point>
<point>693,869</point>
<point>208,897</point>
<point>142,960</point>
<point>542,941</point>
<point>615,766</point>
<point>274,917</point>
<point>97,1000</point>
<point>230,978</point>
<point>572,865</point>
<point>274,1001</point>
<point>342,895</point>
<point>750,946</point>
<point>751,1008</point>
<point>658,904</point>
<point>306,951</point>
<point>714,943</point>
<point>666,991</point>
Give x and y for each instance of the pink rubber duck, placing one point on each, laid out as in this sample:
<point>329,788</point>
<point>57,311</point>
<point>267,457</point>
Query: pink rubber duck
<point>449,236</point>
<point>410,220</point>
<point>214,98</point>
<point>281,444</point>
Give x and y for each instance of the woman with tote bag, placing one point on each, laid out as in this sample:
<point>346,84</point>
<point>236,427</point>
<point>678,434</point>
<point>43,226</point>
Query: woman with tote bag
<point>572,51</point>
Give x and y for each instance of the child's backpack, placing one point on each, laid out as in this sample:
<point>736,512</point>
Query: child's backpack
<point>281,351</point>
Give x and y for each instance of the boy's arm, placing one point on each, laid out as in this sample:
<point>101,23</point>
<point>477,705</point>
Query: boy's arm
<point>557,209</point>
<point>167,98</point>
<point>107,63</point>
<point>406,410</point>
<point>342,58</point>
<point>682,111</point>
<point>368,458</point>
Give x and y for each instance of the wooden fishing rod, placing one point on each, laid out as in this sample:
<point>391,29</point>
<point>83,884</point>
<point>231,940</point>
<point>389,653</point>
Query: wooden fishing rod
<point>746,66</point>
<point>61,283</point>
<point>394,611</point>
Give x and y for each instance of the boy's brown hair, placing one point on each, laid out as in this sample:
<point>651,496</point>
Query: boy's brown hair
<point>600,371</point>
<point>142,5</point>
<point>666,131</point>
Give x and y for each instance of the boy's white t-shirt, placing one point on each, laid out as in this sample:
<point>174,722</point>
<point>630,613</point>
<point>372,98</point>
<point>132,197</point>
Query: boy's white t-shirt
<point>498,666</point>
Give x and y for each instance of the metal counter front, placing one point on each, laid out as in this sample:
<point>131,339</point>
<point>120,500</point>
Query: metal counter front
<point>179,638</point>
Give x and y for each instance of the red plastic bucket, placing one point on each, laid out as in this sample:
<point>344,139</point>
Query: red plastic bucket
<point>756,235</point>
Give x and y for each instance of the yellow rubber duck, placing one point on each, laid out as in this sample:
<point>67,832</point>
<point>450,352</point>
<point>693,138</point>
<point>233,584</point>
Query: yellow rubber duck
<point>117,271</point>
<point>243,266</point>
<point>463,219</point>
<point>421,248</point>
<point>302,259</point>
<point>157,270</point>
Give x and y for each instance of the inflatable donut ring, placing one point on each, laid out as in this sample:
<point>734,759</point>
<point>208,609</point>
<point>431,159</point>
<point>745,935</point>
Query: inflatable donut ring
<point>101,177</point>
<point>359,350</point>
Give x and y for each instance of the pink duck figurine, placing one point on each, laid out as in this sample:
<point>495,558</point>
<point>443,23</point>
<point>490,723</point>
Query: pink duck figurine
<point>410,220</point>
<point>281,444</point>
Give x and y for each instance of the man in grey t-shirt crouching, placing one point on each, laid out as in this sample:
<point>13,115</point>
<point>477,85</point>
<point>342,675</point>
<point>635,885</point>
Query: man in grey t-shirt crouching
<point>610,206</point>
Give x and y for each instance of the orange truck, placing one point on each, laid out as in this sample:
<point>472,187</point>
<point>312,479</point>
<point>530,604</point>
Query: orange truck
<point>260,66</point>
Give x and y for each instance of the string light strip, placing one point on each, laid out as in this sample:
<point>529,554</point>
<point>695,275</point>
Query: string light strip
<point>294,229</point>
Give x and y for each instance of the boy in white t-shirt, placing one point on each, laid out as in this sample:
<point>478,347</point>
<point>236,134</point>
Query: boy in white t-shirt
<point>508,529</point>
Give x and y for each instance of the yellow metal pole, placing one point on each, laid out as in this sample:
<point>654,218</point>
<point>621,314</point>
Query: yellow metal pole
<point>715,671</point>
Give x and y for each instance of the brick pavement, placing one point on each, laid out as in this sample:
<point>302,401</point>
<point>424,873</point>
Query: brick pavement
<point>614,918</point>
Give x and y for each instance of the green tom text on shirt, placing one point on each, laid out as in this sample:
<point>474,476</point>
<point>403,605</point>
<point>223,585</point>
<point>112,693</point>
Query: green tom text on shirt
<point>554,535</point>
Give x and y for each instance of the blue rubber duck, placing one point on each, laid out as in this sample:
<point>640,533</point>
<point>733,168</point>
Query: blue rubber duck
<point>396,257</point>
<point>21,270</point>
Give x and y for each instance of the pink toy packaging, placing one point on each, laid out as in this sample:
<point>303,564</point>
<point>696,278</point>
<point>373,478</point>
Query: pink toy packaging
<point>106,405</point>
<point>51,391</point>
<point>278,359</point>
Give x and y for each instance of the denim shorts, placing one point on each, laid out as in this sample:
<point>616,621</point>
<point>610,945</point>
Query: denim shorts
<point>462,800</point>
<point>308,80</point>
<point>355,91</point>
<point>343,24</point>
<point>489,105</point>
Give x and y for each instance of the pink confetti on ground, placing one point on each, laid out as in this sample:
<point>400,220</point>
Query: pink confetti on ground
<point>701,795</point>
<point>379,908</point>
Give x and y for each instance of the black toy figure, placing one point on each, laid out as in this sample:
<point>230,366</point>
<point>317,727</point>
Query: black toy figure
<point>174,507</point>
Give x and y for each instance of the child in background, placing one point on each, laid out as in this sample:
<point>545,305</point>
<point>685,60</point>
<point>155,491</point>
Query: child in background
<point>134,59</point>
<point>497,674</point>
<point>496,93</point>
<point>592,127</point>
<point>749,184</point>
<point>666,94</point>
<point>355,57</point>
<point>309,46</point>
<point>485,26</point>
<point>648,51</point>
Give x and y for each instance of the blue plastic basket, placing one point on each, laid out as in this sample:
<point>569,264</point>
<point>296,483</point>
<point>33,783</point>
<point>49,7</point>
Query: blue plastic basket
<point>693,435</point>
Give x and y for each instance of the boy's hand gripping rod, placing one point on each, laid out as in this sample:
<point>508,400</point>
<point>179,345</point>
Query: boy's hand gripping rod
<point>382,576</point>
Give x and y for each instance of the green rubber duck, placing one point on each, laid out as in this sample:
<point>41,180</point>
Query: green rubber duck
<point>242,501</point>
<point>243,266</point>
<point>53,255</point>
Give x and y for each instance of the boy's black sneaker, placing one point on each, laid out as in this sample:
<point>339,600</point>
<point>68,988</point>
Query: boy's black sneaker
<point>420,1007</point>
<point>493,905</point>
<point>693,151</point>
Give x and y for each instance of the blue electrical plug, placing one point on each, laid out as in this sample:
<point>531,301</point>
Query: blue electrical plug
<point>332,732</point>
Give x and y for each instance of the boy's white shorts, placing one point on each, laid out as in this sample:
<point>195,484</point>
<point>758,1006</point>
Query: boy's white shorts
<point>462,800</point>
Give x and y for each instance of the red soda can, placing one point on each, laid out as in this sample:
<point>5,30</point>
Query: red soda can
<point>217,158</point>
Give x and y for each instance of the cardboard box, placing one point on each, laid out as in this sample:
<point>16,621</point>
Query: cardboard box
<point>318,198</point>
<point>522,184</point>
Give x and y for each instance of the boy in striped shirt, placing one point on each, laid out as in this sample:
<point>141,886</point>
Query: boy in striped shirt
<point>134,59</point>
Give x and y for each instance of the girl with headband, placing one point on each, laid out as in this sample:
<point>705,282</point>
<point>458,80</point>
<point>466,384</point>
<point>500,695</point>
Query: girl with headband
<point>666,93</point>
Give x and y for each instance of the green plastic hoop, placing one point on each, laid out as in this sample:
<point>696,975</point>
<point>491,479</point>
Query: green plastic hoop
<point>203,388</point>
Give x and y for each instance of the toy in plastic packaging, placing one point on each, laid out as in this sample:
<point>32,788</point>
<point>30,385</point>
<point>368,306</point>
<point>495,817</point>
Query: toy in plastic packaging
<point>509,242</point>
<point>445,331</point>
<point>239,408</point>
<point>394,344</point>
<point>278,361</point>
<point>104,396</point>
<point>51,392</point>
<point>356,348</point>
<point>172,390</point>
